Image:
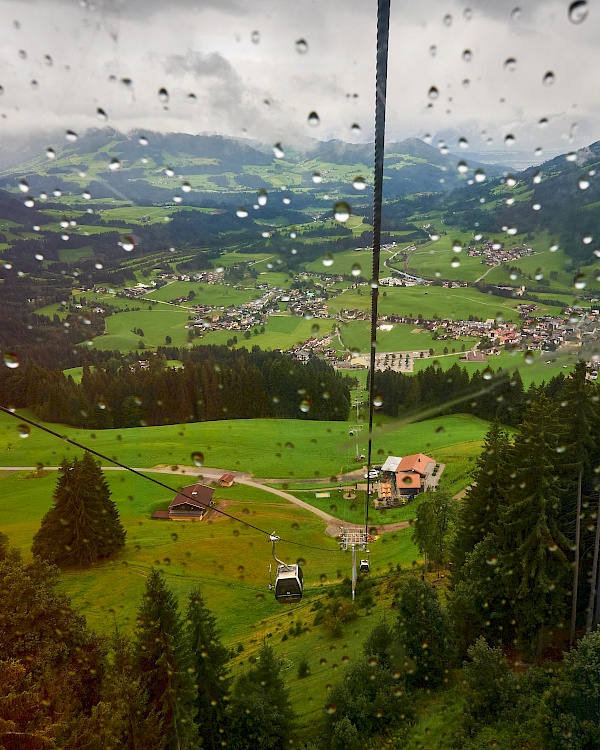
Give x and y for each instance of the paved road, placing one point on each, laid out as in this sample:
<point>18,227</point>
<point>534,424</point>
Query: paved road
<point>334,524</point>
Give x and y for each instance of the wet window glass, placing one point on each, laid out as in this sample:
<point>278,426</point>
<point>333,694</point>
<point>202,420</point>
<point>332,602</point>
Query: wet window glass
<point>299,414</point>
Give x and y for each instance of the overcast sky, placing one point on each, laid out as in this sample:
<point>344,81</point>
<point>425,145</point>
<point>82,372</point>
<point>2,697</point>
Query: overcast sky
<point>62,59</point>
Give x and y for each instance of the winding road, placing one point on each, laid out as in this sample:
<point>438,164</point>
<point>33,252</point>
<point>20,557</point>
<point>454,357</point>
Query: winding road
<point>334,525</point>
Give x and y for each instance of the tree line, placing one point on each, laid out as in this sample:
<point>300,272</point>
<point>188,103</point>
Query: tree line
<point>214,383</point>
<point>484,394</point>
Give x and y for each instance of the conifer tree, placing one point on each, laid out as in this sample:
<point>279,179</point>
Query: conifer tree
<point>83,525</point>
<point>260,713</point>
<point>479,510</point>
<point>210,674</point>
<point>164,665</point>
<point>423,632</point>
<point>533,551</point>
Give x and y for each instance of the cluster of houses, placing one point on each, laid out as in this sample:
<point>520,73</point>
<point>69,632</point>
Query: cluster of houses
<point>402,478</point>
<point>314,347</point>
<point>493,253</point>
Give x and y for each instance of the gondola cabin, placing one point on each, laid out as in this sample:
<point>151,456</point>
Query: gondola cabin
<point>365,566</point>
<point>288,584</point>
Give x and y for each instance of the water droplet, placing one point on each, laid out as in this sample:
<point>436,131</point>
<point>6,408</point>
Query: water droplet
<point>537,178</point>
<point>11,360</point>
<point>433,50</point>
<point>579,281</point>
<point>467,55</point>
<point>304,405</point>
<point>529,357</point>
<point>301,46</point>
<point>255,37</point>
<point>170,172</point>
<point>197,458</point>
<point>510,64</point>
<point>434,237</point>
<point>177,199</point>
<point>587,238</point>
<point>51,153</point>
<point>457,246</point>
<point>327,259</point>
<point>355,128</point>
<point>359,183</point>
<point>536,206</point>
<point>515,14</point>
<point>99,266</point>
<point>101,114</point>
<point>488,373</point>
<point>549,78</point>
<point>23,431</point>
<point>356,269</point>
<point>455,263</point>
<point>511,230</point>
<point>447,20</point>
<point>278,151</point>
<point>463,143</point>
<point>583,183</point>
<point>317,178</point>
<point>142,140</point>
<point>313,119</point>
<point>478,237</point>
<point>163,95</point>
<point>128,243</point>
<point>86,195</point>
<point>29,203</point>
<point>114,164</point>
<point>493,560</point>
<point>262,197</point>
<point>433,93</point>
<point>578,11</point>
<point>462,167</point>
<point>186,187</point>
<point>241,213</point>
<point>377,401</point>
<point>467,14</point>
<point>22,54</point>
<point>330,708</point>
<point>479,175</point>
<point>509,140</point>
<point>287,201</point>
<point>71,136</point>
<point>23,186</point>
<point>341,211</point>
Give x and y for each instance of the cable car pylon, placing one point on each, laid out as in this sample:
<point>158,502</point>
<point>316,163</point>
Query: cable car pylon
<point>353,539</point>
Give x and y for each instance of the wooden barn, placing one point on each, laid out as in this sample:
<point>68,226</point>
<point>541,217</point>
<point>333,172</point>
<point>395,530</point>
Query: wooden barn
<point>188,505</point>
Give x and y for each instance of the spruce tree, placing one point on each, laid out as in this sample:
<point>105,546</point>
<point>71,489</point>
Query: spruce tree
<point>479,510</point>
<point>83,525</point>
<point>210,673</point>
<point>164,665</point>
<point>533,551</point>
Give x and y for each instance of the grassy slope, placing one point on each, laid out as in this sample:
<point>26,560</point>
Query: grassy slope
<point>255,445</point>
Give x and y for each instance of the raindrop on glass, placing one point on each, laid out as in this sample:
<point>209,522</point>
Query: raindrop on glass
<point>327,259</point>
<point>467,55</point>
<point>549,78</point>
<point>304,406</point>
<point>197,458</point>
<point>515,14</point>
<point>433,93</point>
<point>127,243</point>
<point>301,46</point>
<point>114,164</point>
<point>578,11</point>
<point>317,178</point>
<point>241,213</point>
<point>487,373</point>
<point>186,187</point>
<point>278,151</point>
<point>355,128</point>
<point>255,37</point>
<point>359,183</point>
<point>509,140</point>
<point>101,114</point>
<point>356,269</point>
<point>510,64</point>
<point>447,20</point>
<point>584,183</point>
<point>23,186</point>
<point>462,167</point>
<point>51,153</point>
<point>587,238</point>
<point>262,198</point>
<point>23,431</point>
<point>433,50</point>
<point>463,143</point>
<point>11,360</point>
<point>479,175</point>
<point>142,140</point>
<point>313,119</point>
<point>71,136</point>
<point>341,211</point>
<point>163,95</point>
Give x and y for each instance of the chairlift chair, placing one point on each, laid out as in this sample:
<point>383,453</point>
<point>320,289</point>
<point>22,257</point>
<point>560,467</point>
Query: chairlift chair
<point>288,584</point>
<point>365,566</point>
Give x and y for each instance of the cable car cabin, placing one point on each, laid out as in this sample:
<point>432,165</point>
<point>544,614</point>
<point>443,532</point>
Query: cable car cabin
<point>288,584</point>
<point>365,566</point>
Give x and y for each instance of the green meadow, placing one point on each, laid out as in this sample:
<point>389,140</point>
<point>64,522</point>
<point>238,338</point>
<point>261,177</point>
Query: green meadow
<point>403,337</point>
<point>268,448</point>
<point>161,321</point>
<point>281,332</point>
<point>215,295</point>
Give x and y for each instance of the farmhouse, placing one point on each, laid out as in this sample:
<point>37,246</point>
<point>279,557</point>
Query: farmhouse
<point>226,480</point>
<point>189,504</point>
<point>403,478</point>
